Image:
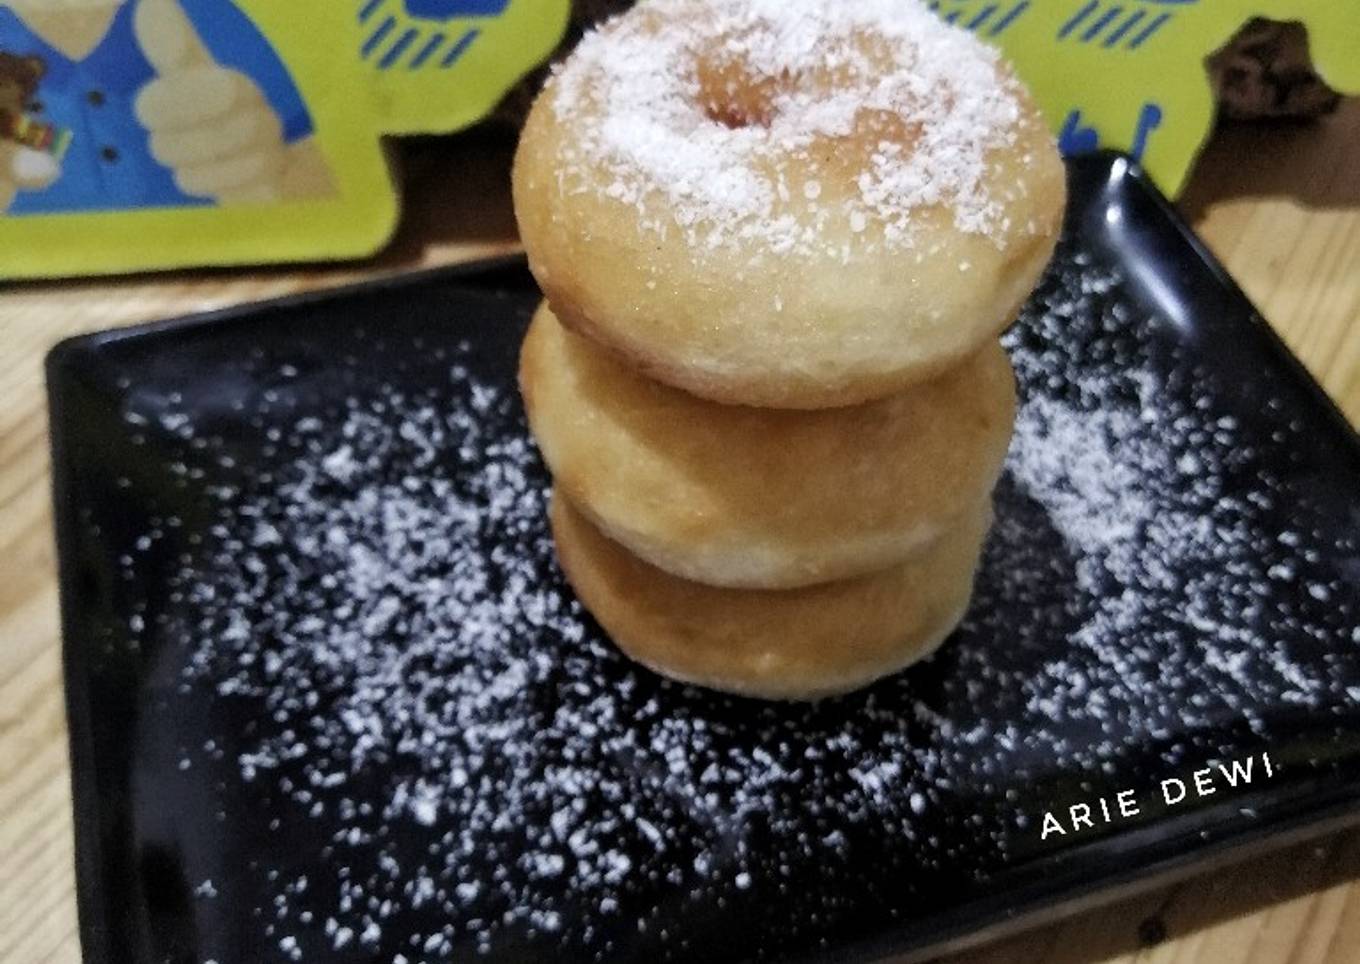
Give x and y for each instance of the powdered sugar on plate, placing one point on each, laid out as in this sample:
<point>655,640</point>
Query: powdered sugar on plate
<point>727,114</point>
<point>433,751</point>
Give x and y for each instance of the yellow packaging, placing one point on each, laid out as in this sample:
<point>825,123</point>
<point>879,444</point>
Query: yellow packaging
<point>190,132</point>
<point>1130,74</point>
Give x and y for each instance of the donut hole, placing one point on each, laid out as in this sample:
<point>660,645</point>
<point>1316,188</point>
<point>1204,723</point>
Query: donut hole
<point>735,116</point>
<point>730,96</point>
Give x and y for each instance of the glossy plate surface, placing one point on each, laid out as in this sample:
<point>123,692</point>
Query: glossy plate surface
<point>331,700</point>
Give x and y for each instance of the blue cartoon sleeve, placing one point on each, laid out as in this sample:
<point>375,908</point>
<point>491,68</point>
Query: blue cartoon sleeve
<point>237,43</point>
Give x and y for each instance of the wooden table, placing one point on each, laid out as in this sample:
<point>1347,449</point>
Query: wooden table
<point>1281,207</point>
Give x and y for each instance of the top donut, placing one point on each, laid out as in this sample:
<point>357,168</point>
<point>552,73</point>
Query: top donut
<point>789,203</point>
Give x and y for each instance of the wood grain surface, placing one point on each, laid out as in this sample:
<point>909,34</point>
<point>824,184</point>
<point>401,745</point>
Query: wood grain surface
<point>1279,204</point>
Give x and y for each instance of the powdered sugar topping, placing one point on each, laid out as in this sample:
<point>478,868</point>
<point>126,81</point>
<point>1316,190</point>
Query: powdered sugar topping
<point>389,690</point>
<point>732,122</point>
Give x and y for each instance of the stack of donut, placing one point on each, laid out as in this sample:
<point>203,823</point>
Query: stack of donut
<point>778,241</point>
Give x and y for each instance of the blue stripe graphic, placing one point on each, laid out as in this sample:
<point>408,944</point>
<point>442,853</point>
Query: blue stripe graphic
<point>398,48</point>
<point>981,18</point>
<point>427,51</point>
<point>1077,18</point>
<point>1148,31</point>
<point>1100,24</point>
<point>1123,28</point>
<point>457,49</point>
<point>377,37</point>
<point>1009,18</point>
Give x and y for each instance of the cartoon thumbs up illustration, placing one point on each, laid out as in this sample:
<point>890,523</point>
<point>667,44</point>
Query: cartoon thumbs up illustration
<point>210,125</point>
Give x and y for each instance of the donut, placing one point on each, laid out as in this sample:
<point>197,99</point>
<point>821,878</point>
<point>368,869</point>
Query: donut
<point>786,203</point>
<point>760,497</point>
<point>778,644</point>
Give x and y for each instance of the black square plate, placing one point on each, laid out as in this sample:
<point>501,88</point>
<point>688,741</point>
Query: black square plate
<point>330,699</point>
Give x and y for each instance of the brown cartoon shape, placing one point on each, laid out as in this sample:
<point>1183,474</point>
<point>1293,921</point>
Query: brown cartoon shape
<point>19,77</point>
<point>1266,71</point>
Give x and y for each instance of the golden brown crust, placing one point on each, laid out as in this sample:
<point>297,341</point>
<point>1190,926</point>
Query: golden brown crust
<point>792,644</point>
<point>763,498</point>
<point>851,320</point>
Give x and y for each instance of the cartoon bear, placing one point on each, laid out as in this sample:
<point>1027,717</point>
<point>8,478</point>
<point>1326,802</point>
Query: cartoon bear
<point>19,77</point>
